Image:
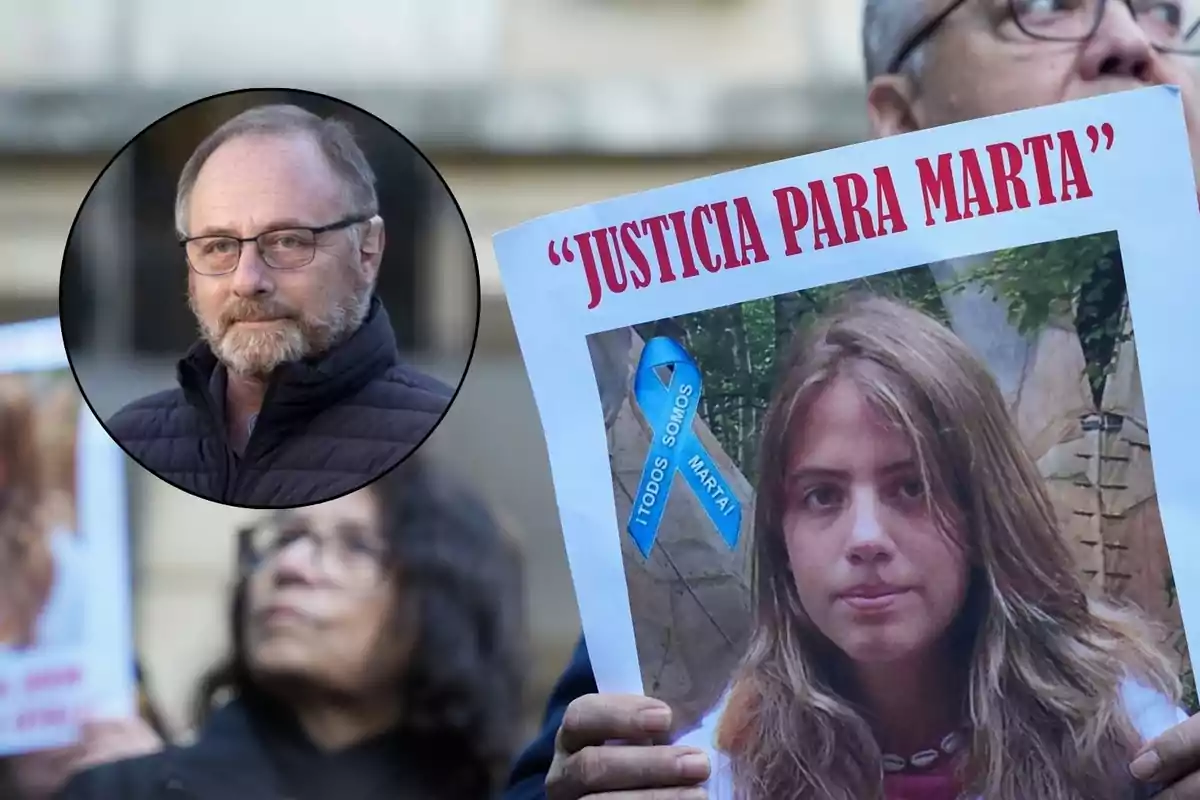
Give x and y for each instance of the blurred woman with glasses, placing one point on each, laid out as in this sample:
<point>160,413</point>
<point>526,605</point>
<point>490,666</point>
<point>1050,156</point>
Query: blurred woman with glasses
<point>377,649</point>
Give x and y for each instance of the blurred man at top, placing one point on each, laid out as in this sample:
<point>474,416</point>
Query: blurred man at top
<point>935,62</point>
<point>928,63</point>
<point>295,392</point>
<point>378,649</point>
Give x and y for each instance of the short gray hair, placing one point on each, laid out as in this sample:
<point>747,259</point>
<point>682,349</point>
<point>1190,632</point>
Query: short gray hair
<point>334,137</point>
<point>887,24</point>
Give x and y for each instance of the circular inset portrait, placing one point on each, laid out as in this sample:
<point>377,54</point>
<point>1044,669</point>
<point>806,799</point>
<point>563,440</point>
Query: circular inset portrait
<point>269,298</point>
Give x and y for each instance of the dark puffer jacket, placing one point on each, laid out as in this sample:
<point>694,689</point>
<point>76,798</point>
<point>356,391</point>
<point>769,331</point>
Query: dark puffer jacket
<point>328,425</point>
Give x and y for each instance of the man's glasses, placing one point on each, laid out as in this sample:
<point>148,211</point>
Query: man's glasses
<point>348,554</point>
<point>283,249</point>
<point>1171,27</point>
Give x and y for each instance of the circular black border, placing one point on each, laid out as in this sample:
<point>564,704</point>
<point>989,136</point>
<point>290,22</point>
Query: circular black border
<point>457,205</point>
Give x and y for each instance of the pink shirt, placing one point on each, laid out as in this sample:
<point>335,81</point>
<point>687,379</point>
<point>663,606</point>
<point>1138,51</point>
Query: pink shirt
<point>1152,714</point>
<point>937,783</point>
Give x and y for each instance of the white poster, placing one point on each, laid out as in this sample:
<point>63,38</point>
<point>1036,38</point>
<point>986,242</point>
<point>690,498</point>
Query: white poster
<point>1004,308</point>
<point>66,649</point>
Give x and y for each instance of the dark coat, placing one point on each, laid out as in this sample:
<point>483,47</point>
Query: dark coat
<point>239,757</point>
<point>528,778</point>
<point>328,425</point>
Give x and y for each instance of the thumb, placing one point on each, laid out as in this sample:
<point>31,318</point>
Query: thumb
<point>1170,756</point>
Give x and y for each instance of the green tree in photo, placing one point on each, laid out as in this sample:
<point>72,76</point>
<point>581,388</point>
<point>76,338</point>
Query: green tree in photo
<point>1080,280</point>
<point>738,347</point>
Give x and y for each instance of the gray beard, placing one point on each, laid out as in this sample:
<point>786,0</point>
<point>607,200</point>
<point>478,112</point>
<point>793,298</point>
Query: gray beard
<point>257,352</point>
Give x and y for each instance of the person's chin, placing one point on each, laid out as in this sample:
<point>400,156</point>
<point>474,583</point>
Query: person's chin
<point>281,656</point>
<point>879,645</point>
<point>252,356</point>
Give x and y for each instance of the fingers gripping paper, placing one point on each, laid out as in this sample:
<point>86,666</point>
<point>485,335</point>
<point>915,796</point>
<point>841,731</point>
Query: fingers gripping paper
<point>851,404</point>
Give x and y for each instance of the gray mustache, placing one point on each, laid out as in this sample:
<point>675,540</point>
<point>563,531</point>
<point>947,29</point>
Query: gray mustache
<point>252,312</point>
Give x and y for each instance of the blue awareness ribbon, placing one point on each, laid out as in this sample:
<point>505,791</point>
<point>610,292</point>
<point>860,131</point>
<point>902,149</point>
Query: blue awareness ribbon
<point>670,410</point>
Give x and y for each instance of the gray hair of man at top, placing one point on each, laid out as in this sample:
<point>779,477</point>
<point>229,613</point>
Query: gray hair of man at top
<point>334,137</point>
<point>886,26</point>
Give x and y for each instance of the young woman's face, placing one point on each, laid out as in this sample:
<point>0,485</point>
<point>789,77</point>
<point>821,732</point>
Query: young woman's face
<point>872,568</point>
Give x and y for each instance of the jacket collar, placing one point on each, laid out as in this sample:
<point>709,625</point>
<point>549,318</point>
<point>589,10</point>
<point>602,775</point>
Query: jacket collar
<point>242,748</point>
<point>228,760</point>
<point>298,390</point>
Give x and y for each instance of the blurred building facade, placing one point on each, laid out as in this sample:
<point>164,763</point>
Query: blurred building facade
<point>526,107</point>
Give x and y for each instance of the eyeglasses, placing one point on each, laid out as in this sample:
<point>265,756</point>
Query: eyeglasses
<point>282,249</point>
<point>1170,26</point>
<point>348,554</point>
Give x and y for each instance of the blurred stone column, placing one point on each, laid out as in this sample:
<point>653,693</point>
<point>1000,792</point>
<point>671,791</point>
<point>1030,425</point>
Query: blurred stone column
<point>1042,377</point>
<point>106,231</point>
<point>1095,457</point>
<point>450,280</point>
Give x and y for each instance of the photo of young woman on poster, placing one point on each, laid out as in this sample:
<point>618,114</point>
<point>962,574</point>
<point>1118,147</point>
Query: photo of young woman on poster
<point>41,587</point>
<point>26,563</point>
<point>921,628</point>
<point>65,616</point>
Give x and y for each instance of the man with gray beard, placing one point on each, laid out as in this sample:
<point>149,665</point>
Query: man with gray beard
<point>295,393</point>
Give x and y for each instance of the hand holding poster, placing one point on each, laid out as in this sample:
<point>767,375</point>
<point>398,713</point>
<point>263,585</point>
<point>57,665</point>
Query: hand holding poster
<point>65,639</point>
<point>876,426</point>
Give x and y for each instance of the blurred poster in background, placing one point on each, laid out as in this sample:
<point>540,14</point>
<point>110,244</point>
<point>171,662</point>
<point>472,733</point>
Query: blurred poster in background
<point>65,622</point>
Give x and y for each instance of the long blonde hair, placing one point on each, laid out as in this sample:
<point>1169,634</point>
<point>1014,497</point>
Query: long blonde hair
<point>26,565</point>
<point>1046,661</point>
